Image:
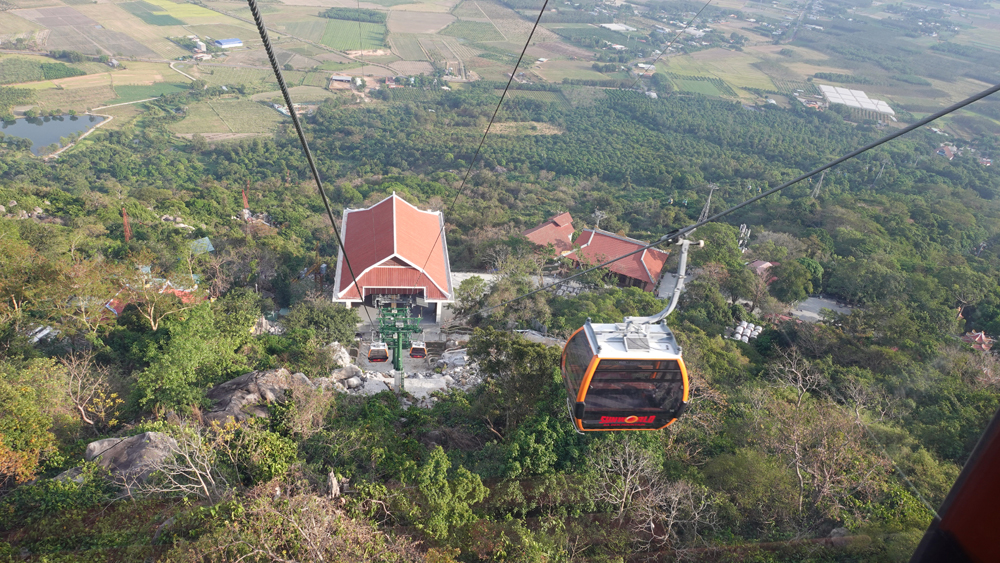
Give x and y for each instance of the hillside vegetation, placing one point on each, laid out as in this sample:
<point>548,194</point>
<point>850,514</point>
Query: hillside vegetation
<point>808,429</point>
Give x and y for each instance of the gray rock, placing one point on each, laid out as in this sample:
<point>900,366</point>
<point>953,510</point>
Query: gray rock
<point>246,395</point>
<point>332,485</point>
<point>131,458</point>
<point>301,379</point>
<point>38,210</point>
<point>449,380</point>
<point>338,354</point>
<point>74,475</point>
<point>3,209</point>
<point>347,372</point>
<point>838,532</point>
<point>11,203</point>
<point>353,383</point>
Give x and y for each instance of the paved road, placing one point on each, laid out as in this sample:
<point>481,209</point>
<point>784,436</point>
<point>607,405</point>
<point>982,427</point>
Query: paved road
<point>809,309</point>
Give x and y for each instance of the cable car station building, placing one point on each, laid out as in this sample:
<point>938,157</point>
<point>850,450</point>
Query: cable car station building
<point>394,249</point>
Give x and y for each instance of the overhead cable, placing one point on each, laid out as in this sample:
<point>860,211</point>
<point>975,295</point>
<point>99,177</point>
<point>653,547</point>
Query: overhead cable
<point>503,95</point>
<point>681,233</point>
<point>305,145</point>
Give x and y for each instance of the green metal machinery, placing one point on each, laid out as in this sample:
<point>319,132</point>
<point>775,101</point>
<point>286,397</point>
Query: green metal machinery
<point>395,325</point>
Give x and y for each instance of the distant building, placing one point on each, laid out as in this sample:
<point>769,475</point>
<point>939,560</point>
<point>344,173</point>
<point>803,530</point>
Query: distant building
<point>986,161</point>
<point>617,27</point>
<point>200,46</point>
<point>640,270</point>
<point>228,43</point>
<point>947,151</point>
<point>394,248</point>
<point>978,340</point>
<point>557,231</point>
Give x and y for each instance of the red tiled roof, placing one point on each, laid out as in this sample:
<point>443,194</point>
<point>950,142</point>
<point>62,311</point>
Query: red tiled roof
<point>392,245</point>
<point>600,246</point>
<point>558,231</point>
<point>978,340</point>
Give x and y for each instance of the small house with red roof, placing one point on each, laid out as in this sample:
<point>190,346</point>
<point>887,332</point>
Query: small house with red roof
<point>557,231</point>
<point>394,248</point>
<point>639,270</point>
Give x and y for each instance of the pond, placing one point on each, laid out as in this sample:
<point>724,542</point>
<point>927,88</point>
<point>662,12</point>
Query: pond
<point>44,131</point>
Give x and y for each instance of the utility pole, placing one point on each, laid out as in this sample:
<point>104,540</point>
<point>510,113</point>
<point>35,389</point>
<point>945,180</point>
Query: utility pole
<point>128,228</point>
<point>708,203</point>
<point>395,326</point>
<point>819,185</point>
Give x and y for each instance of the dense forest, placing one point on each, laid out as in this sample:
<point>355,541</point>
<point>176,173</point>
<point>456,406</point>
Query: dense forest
<point>853,427</point>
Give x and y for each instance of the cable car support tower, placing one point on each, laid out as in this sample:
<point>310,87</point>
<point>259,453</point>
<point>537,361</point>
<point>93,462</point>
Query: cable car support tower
<point>395,325</point>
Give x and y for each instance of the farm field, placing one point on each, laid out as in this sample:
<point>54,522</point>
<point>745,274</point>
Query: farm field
<point>228,116</point>
<point>300,94</point>
<point>79,99</point>
<point>219,75</point>
<point>698,86</point>
<point>734,68</point>
<point>149,13</point>
<point>549,97</point>
<point>115,18</point>
<point>474,31</point>
<point>12,25</point>
<point>344,35</point>
<point>407,46</point>
<point>418,22</point>
<point>132,92</point>
<point>191,13</point>
<point>556,71</point>
<point>312,28</point>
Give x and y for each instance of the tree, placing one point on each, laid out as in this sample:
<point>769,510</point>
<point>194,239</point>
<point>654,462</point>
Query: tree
<point>25,436</point>
<point>88,390</point>
<point>469,296</point>
<point>445,499</point>
<point>793,370</point>
<point>517,373</point>
<point>793,283</point>
<point>193,357</point>
<point>332,322</point>
<point>156,294</point>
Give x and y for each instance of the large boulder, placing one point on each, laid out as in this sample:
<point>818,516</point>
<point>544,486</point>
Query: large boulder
<point>133,458</point>
<point>248,394</point>
<point>338,354</point>
<point>346,372</point>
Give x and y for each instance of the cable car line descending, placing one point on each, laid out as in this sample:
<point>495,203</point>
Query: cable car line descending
<point>482,141</point>
<point>682,232</point>
<point>302,139</point>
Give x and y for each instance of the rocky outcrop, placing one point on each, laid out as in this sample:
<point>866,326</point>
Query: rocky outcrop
<point>133,458</point>
<point>248,394</point>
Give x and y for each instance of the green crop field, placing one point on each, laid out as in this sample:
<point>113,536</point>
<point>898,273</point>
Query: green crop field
<point>149,13</point>
<point>551,97</point>
<point>188,12</point>
<point>228,116</point>
<point>311,29</point>
<point>473,31</point>
<point>407,46</point>
<point>131,93</point>
<point>699,86</point>
<point>343,35</point>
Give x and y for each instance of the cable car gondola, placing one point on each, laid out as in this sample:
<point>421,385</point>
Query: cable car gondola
<point>378,352</point>
<point>628,375</point>
<point>418,349</point>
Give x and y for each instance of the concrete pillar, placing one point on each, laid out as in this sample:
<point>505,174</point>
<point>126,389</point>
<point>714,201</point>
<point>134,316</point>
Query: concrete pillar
<point>438,307</point>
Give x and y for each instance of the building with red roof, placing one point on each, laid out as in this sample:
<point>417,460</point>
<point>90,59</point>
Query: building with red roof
<point>394,249</point>
<point>978,340</point>
<point>639,270</point>
<point>557,231</point>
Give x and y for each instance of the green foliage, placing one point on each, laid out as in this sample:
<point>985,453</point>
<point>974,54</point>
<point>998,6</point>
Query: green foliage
<point>794,281</point>
<point>88,488</point>
<point>330,321</point>
<point>262,455</point>
<point>606,306</point>
<point>445,497</point>
<point>355,15</point>
<point>25,436</point>
<point>517,375</point>
<point>14,96</point>
<point>193,357</point>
